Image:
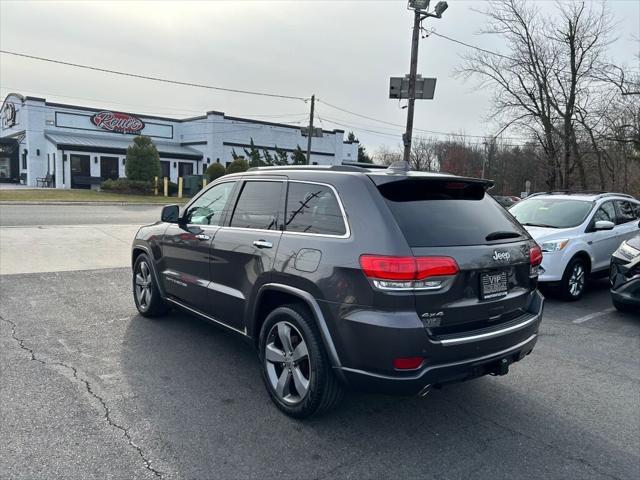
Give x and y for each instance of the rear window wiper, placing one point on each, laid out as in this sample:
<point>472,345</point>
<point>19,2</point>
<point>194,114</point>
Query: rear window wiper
<point>499,235</point>
<point>544,225</point>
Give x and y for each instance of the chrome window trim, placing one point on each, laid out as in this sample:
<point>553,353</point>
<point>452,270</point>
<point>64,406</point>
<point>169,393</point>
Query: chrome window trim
<point>347,233</point>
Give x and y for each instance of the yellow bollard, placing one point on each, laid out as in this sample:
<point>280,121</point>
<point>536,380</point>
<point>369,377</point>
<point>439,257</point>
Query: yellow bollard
<point>155,186</point>
<point>204,182</point>
<point>179,187</point>
<point>166,187</point>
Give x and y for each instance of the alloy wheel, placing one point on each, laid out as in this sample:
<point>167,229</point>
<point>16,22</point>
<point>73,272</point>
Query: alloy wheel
<point>287,363</point>
<point>143,285</point>
<point>577,280</point>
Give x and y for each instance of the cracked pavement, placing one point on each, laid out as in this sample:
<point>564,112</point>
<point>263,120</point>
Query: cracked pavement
<point>91,390</point>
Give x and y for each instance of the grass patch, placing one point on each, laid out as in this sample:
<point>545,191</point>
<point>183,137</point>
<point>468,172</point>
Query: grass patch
<point>56,195</point>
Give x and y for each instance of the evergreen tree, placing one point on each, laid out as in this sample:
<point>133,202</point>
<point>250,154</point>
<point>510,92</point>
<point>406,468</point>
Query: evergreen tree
<point>363,156</point>
<point>281,157</point>
<point>298,156</point>
<point>253,156</point>
<point>143,161</point>
<point>267,158</point>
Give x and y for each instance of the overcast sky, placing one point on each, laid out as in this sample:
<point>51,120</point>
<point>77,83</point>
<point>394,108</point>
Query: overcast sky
<point>343,51</point>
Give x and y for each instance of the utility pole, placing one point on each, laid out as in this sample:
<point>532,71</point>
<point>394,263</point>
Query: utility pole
<point>313,104</point>
<point>420,12</point>
<point>413,70</point>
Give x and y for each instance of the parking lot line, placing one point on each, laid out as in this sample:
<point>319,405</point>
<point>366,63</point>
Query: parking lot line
<point>591,316</point>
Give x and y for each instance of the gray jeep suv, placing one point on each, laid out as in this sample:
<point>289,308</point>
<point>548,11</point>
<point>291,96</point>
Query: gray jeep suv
<point>380,279</point>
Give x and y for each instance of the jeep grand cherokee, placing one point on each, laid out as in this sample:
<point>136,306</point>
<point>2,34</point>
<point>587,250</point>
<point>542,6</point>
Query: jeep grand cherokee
<point>386,280</point>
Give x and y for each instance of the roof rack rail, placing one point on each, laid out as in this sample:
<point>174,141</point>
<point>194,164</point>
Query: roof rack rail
<point>596,193</point>
<point>613,194</point>
<point>365,165</point>
<point>344,167</point>
<point>335,168</point>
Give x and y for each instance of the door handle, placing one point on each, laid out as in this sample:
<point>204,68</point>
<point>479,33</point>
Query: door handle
<point>262,244</point>
<point>202,236</point>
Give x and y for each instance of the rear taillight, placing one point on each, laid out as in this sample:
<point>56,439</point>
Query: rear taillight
<point>535,259</point>
<point>408,363</point>
<point>407,273</point>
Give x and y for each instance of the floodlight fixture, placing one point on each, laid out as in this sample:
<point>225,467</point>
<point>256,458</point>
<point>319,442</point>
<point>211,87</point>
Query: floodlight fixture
<point>419,4</point>
<point>440,8</point>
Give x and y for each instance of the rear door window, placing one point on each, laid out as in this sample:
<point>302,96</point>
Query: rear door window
<point>258,205</point>
<point>433,213</point>
<point>313,208</point>
<point>627,211</point>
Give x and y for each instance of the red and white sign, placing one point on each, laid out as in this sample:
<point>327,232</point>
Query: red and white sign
<point>117,122</point>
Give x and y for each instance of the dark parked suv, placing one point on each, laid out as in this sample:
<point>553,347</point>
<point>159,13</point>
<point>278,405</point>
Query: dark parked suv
<point>386,280</point>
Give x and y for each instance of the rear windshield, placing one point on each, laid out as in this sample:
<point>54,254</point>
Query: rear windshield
<point>435,213</point>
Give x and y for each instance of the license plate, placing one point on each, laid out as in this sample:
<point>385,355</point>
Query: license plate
<point>493,285</point>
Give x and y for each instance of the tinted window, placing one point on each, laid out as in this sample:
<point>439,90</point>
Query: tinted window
<point>627,211</point>
<point>258,206</point>
<point>443,213</point>
<point>606,212</point>
<point>313,208</point>
<point>551,212</point>
<point>207,209</point>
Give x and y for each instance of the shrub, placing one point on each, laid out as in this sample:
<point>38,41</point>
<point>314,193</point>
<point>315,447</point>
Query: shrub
<point>215,170</point>
<point>124,185</point>
<point>143,161</point>
<point>238,165</point>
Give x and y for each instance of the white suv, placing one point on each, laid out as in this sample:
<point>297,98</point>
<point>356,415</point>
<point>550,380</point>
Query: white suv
<point>578,232</point>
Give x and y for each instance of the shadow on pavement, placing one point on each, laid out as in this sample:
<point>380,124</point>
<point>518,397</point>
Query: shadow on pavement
<point>198,392</point>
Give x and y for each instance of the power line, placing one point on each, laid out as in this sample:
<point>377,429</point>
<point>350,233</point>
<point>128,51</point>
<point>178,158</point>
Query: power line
<point>147,77</point>
<point>398,135</point>
<point>433,132</point>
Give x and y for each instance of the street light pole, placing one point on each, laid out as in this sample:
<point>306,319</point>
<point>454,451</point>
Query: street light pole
<point>419,8</point>
<point>413,70</point>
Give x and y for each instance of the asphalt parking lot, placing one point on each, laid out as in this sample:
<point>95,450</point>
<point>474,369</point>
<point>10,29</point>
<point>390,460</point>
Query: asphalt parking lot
<point>89,389</point>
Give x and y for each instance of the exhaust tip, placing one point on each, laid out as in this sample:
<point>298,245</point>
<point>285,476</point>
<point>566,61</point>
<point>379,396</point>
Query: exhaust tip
<point>425,390</point>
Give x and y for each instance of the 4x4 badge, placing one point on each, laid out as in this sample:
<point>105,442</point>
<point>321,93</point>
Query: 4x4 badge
<point>501,256</point>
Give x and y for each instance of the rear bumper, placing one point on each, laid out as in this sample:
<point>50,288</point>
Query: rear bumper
<point>438,374</point>
<point>370,340</point>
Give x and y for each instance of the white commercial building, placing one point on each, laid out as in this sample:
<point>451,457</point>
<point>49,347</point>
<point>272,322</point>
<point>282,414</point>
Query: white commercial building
<point>76,147</point>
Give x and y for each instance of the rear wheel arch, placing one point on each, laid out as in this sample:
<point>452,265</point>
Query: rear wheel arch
<point>272,296</point>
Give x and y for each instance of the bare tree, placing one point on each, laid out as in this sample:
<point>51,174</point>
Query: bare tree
<point>386,156</point>
<point>549,71</point>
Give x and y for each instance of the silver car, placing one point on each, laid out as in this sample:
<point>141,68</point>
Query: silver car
<point>577,232</point>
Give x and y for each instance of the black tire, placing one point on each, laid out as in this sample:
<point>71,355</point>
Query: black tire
<point>571,287</point>
<point>324,390</point>
<point>624,307</point>
<point>151,303</point>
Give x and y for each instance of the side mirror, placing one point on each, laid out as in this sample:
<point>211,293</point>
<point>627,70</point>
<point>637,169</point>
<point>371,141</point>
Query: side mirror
<point>604,225</point>
<point>170,214</point>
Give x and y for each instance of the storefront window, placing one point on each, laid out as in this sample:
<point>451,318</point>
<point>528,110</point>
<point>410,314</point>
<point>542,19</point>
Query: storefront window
<point>165,169</point>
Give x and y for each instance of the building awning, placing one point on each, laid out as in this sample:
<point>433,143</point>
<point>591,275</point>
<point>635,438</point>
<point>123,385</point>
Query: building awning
<point>104,144</point>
